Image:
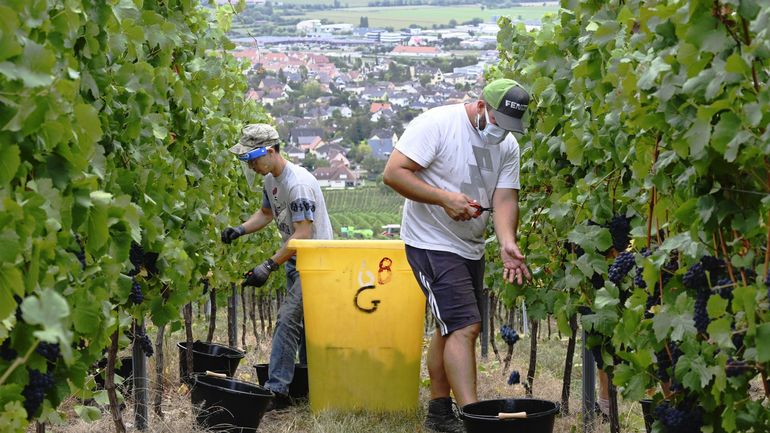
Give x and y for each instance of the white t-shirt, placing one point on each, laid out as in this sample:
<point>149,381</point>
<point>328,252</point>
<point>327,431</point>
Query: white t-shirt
<point>295,196</point>
<point>448,147</point>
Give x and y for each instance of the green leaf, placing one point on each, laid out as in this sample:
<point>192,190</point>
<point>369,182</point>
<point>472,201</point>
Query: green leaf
<point>720,331</point>
<point>686,212</point>
<point>89,127</point>
<point>744,299</point>
<point>706,207</point>
<point>35,68</point>
<point>698,136</point>
<point>98,228</point>
<point>682,242</point>
<point>9,162</point>
<point>724,131</point>
<point>763,342</point>
<point>88,413</point>
<point>11,283</point>
<point>678,325</point>
<point>591,238</point>
<point>736,65</point>
<point>13,417</point>
<point>694,371</point>
<point>46,310</point>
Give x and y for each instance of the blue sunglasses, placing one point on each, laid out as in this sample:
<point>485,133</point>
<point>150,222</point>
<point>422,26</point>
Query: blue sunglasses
<point>254,154</point>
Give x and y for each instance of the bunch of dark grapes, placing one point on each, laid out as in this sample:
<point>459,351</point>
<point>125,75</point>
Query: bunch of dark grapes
<point>725,288</point>
<point>735,368</point>
<point>597,281</point>
<point>34,392</point>
<point>136,296</point>
<point>712,265</point>
<point>623,263</point>
<point>737,339</point>
<point>6,352</point>
<point>700,315</point>
<point>514,378</point>
<point>679,419</point>
<point>665,362</point>
<point>620,228</point>
<point>695,277</point>
<point>49,351</point>
<point>639,277</point>
<point>509,335</point>
<point>136,255</point>
<point>145,344</point>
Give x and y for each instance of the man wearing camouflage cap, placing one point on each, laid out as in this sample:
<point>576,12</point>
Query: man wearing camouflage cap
<point>292,198</point>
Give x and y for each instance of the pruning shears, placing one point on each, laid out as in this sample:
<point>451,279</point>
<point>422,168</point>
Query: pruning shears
<point>480,209</point>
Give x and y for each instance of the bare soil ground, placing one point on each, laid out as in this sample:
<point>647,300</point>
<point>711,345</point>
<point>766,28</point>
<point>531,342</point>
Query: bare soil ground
<point>178,411</point>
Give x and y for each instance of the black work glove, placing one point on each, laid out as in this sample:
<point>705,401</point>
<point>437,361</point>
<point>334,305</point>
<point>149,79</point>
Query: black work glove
<point>259,275</point>
<point>232,233</point>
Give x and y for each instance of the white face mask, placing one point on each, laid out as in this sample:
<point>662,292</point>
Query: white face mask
<point>491,134</point>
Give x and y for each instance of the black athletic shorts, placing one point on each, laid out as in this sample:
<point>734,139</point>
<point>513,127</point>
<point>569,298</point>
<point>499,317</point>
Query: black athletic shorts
<point>452,284</point>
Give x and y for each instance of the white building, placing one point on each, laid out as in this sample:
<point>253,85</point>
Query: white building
<point>308,26</point>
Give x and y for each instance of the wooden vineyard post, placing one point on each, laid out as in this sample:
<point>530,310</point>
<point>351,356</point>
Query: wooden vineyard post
<point>139,360</point>
<point>232,317</point>
<point>589,387</point>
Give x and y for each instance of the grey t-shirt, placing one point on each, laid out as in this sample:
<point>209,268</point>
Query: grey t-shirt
<point>448,147</point>
<point>295,196</point>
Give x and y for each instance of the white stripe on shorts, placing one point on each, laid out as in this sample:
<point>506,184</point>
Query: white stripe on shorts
<point>433,305</point>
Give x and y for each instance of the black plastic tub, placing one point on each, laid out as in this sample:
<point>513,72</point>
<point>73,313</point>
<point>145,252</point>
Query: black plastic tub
<point>482,416</point>
<point>298,388</point>
<point>649,418</point>
<point>225,404</point>
<point>209,357</point>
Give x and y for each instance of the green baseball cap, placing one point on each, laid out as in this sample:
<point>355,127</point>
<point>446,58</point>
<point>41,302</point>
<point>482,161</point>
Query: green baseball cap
<point>508,101</point>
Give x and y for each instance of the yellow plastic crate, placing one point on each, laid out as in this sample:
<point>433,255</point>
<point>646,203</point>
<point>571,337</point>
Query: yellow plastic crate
<point>364,317</point>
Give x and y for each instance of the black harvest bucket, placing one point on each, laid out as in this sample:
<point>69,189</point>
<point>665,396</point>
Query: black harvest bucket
<point>298,388</point>
<point>647,412</point>
<point>226,404</point>
<point>534,416</point>
<point>209,357</point>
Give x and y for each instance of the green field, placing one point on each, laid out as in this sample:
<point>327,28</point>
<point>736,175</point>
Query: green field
<point>426,16</point>
<point>343,3</point>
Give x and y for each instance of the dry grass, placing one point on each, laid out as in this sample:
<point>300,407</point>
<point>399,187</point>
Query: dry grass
<point>492,384</point>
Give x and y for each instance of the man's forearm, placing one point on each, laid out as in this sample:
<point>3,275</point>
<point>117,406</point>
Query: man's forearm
<point>406,183</point>
<point>257,221</point>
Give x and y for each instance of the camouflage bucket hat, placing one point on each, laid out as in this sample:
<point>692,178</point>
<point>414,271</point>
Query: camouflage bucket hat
<point>256,135</point>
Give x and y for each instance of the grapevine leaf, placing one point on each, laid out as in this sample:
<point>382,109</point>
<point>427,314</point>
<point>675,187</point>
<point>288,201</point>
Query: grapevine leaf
<point>724,131</point>
<point>763,342</point>
<point>9,162</point>
<point>719,330</point>
<point>88,413</point>
<point>591,237</point>
<point>11,283</point>
<point>694,371</point>
<point>34,68</point>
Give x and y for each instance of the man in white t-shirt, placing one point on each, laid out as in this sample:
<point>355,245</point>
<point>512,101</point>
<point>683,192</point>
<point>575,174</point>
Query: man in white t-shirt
<point>453,164</point>
<point>292,198</point>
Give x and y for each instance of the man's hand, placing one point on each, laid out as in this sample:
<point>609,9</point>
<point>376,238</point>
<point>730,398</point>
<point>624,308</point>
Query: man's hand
<point>232,233</point>
<point>258,276</point>
<point>514,266</point>
<point>459,206</point>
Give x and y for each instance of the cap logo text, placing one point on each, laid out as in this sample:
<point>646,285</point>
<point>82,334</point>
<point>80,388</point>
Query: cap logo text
<point>515,105</point>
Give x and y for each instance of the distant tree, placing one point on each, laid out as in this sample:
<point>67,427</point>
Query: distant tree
<point>312,161</point>
<point>281,76</point>
<point>453,23</point>
<point>363,22</point>
<point>424,80</point>
<point>373,165</point>
<point>303,73</point>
